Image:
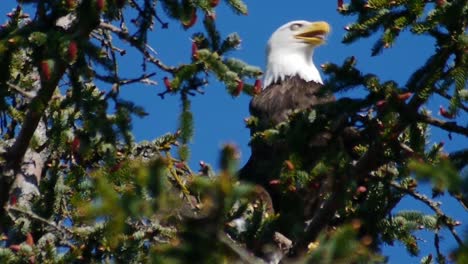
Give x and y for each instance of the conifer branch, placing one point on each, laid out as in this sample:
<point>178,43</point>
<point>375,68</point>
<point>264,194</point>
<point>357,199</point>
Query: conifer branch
<point>448,97</point>
<point>31,215</point>
<point>176,177</point>
<point>62,230</point>
<point>447,221</point>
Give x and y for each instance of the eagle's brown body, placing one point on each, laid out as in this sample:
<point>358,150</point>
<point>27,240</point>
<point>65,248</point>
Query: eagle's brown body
<point>292,83</point>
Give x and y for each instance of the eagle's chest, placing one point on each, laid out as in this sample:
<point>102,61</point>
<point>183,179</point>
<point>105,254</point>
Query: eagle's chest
<point>278,100</point>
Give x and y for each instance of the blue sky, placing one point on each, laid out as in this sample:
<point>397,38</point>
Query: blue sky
<point>219,117</point>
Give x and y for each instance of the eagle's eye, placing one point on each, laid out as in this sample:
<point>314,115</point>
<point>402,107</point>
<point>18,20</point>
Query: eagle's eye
<point>295,26</point>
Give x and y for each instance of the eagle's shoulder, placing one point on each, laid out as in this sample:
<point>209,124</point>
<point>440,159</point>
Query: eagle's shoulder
<point>274,103</point>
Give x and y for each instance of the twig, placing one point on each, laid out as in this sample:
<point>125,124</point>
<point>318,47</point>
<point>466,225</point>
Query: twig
<point>176,177</point>
<point>97,36</point>
<point>20,90</point>
<point>134,3</point>
<point>241,252</point>
<point>164,25</point>
<point>138,79</point>
<point>136,43</point>
<point>437,247</point>
<point>433,205</point>
<point>113,79</point>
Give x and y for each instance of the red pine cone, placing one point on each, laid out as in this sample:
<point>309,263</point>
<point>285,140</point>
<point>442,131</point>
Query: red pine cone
<point>72,51</point>
<point>45,69</point>
<point>445,113</point>
<point>116,167</point>
<point>275,182</point>
<point>361,189</point>
<point>192,21</point>
<point>440,2</point>
<point>29,239</point>
<point>75,145</point>
<point>239,88</point>
<point>404,96</point>
<point>194,50</point>
<point>71,3</point>
<point>214,3</point>
<point>289,165</point>
<point>100,4</point>
<point>167,83</point>
<point>257,87</point>
<point>15,248</point>
<point>13,199</point>
<point>381,104</point>
<point>340,4</point>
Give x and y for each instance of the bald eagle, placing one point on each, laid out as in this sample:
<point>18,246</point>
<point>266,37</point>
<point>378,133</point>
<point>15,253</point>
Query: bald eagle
<point>291,83</point>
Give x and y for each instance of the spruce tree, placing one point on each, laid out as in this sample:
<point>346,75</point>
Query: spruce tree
<point>75,187</point>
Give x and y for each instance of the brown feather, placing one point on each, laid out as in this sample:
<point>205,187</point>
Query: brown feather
<point>273,105</point>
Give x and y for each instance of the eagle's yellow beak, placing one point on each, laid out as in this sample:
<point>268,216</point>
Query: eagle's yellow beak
<point>315,33</point>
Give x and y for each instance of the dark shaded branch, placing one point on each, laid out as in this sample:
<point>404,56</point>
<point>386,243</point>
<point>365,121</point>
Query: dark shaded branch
<point>245,256</point>
<point>320,220</point>
<point>446,125</point>
<point>440,256</point>
<point>459,158</point>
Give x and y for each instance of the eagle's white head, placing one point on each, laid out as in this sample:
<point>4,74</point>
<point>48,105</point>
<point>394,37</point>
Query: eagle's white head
<point>290,49</point>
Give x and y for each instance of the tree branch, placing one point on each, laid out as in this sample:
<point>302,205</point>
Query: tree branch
<point>241,252</point>
<point>36,217</point>
<point>137,44</point>
<point>24,93</point>
<point>447,221</point>
<point>446,125</point>
<point>319,221</point>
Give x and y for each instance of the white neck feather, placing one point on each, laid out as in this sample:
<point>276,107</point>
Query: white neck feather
<point>282,63</point>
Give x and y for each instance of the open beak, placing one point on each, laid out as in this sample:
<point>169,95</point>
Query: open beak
<point>315,33</point>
